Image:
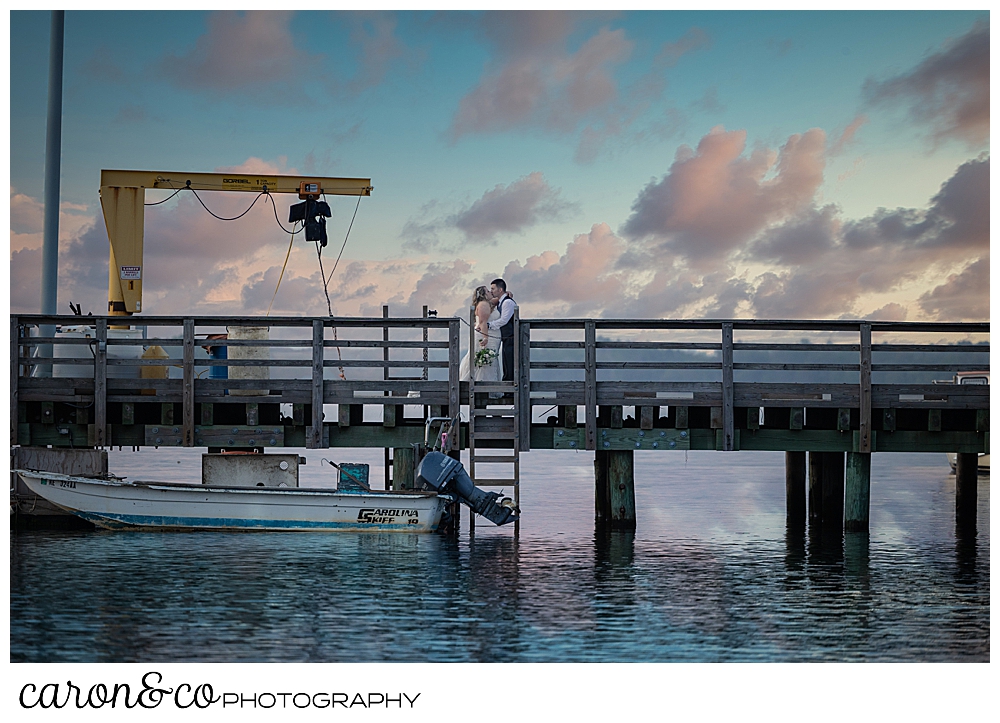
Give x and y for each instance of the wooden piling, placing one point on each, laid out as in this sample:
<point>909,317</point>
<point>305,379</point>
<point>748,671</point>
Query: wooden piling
<point>966,483</point>
<point>857,492</point>
<point>621,486</point>
<point>815,487</point>
<point>795,487</point>
<point>402,468</point>
<point>833,489</point>
<point>602,495</point>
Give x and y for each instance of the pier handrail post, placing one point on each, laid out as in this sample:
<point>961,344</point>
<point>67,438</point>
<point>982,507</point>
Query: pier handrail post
<point>15,372</point>
<point>454,359</point>
<point>188,400</point>
<point>865,402</point>
<point>315,438</point>
<point>727,386</point>
<point>524,382</point>
<point>101,383</point>
<point>590,383</point>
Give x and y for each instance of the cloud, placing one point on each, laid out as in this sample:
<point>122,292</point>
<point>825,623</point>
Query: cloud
<point>534,80</point>
<point>890,312</point>
<point>963,296</point>
<point>544,86</point>
<point>709,103</point>
<point>378,47</point>
<point>714,198</point>
<point>796,260</point>
<point>802,238</point>
<point>948,91</point>
<point>957,219</point>
<point>242,54</point>
<point>847,137</point>
<point>25,213</point>
<point>827,265</point>
<point>582,277</point>
<point>25,281</point>
<point>511,209</point>
<point>671,52</point>
<point>253,164</point>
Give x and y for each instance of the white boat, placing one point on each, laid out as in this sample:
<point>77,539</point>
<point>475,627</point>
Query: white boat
<point>117,504</point>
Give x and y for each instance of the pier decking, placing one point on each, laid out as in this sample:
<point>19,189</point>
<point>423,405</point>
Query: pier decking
<point>611,386</point>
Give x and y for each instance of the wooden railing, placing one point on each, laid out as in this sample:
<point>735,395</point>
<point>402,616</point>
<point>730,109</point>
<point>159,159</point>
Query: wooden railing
<point>299,371</point>
<point>728,367</point>
<point>727,377</point>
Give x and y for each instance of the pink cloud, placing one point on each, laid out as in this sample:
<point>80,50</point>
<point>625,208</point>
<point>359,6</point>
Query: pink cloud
<point>847,137</point>
<point>948,91</point>
<point>822,266</point>
<point>964,296</point>
<point>890,312</point>
<point>259,165</point>
<point>511,209</point>
<point>714,199</point>
<point>535,81</point>
<point>957,219</point>
<point>242,52</point>
<point>25,213</point>
<point>671,52</point>
<point>583,277</point>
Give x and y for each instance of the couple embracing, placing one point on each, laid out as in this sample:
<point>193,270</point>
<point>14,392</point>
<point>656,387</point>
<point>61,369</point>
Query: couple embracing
<point>493,350</point>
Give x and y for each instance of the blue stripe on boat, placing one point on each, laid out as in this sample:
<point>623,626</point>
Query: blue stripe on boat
<point>234,523</point>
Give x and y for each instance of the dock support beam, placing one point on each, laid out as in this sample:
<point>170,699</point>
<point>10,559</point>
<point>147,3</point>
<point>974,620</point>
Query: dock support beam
<point>614,493</point>
<point>857,495</point>
<point>833,489</point>
<point>795,487</point>
<point>402,468</point>
<point>815,487</point>
<point>826,488</point>
<point>966,483</point>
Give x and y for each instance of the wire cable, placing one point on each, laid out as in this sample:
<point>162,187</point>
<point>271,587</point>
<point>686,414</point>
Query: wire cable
<point>221,218</point>
<point>329,306</point>
<point>278,220</point>
<point>344,245</point>
<point>291,241</point>
<point>157,203</point>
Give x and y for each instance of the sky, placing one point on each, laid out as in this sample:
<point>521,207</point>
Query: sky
<point>658,164</point>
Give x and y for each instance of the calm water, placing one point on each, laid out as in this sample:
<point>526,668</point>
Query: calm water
<point>710,575</point>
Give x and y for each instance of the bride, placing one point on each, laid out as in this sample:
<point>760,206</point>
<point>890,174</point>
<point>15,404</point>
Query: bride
<point>486,350</point>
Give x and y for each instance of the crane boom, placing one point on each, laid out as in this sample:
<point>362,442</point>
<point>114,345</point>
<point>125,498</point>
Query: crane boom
<point>123,194</point>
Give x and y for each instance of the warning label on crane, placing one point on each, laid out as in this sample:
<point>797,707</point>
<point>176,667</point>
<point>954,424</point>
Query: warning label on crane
<point>131,272</point>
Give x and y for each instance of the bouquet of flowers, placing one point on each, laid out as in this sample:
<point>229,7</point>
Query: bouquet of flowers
<point>485,356</point>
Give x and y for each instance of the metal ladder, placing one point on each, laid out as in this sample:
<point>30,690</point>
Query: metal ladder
<point>494,428</point>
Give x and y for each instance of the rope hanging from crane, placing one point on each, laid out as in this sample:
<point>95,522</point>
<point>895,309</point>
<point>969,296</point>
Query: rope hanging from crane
<point>312,215</point>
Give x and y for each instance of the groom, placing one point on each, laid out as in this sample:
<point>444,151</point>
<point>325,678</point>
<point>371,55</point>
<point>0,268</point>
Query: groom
<point>506,306</point>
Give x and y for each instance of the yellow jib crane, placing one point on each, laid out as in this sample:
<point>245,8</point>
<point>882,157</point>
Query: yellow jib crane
<point>123,194</point>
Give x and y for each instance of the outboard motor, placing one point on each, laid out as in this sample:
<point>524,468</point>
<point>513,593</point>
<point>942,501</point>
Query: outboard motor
<point>442,473</point>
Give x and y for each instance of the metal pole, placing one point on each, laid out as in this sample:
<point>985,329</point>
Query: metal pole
<point>53,149</point>
<point>53,152</point>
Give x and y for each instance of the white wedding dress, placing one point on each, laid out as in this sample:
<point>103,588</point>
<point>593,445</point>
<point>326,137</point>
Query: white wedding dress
<point>492,372</point>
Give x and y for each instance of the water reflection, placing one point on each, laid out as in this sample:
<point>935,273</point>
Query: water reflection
<point>857,557</point>
<point>698,581</point>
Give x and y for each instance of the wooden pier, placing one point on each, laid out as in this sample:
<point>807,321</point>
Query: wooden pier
<point>838,390</point>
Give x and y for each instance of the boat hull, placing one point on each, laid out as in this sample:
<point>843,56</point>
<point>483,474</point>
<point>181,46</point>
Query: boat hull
<point>116,504</point>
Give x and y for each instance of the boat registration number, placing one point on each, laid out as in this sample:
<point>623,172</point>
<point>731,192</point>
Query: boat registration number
<point>67,483</point>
